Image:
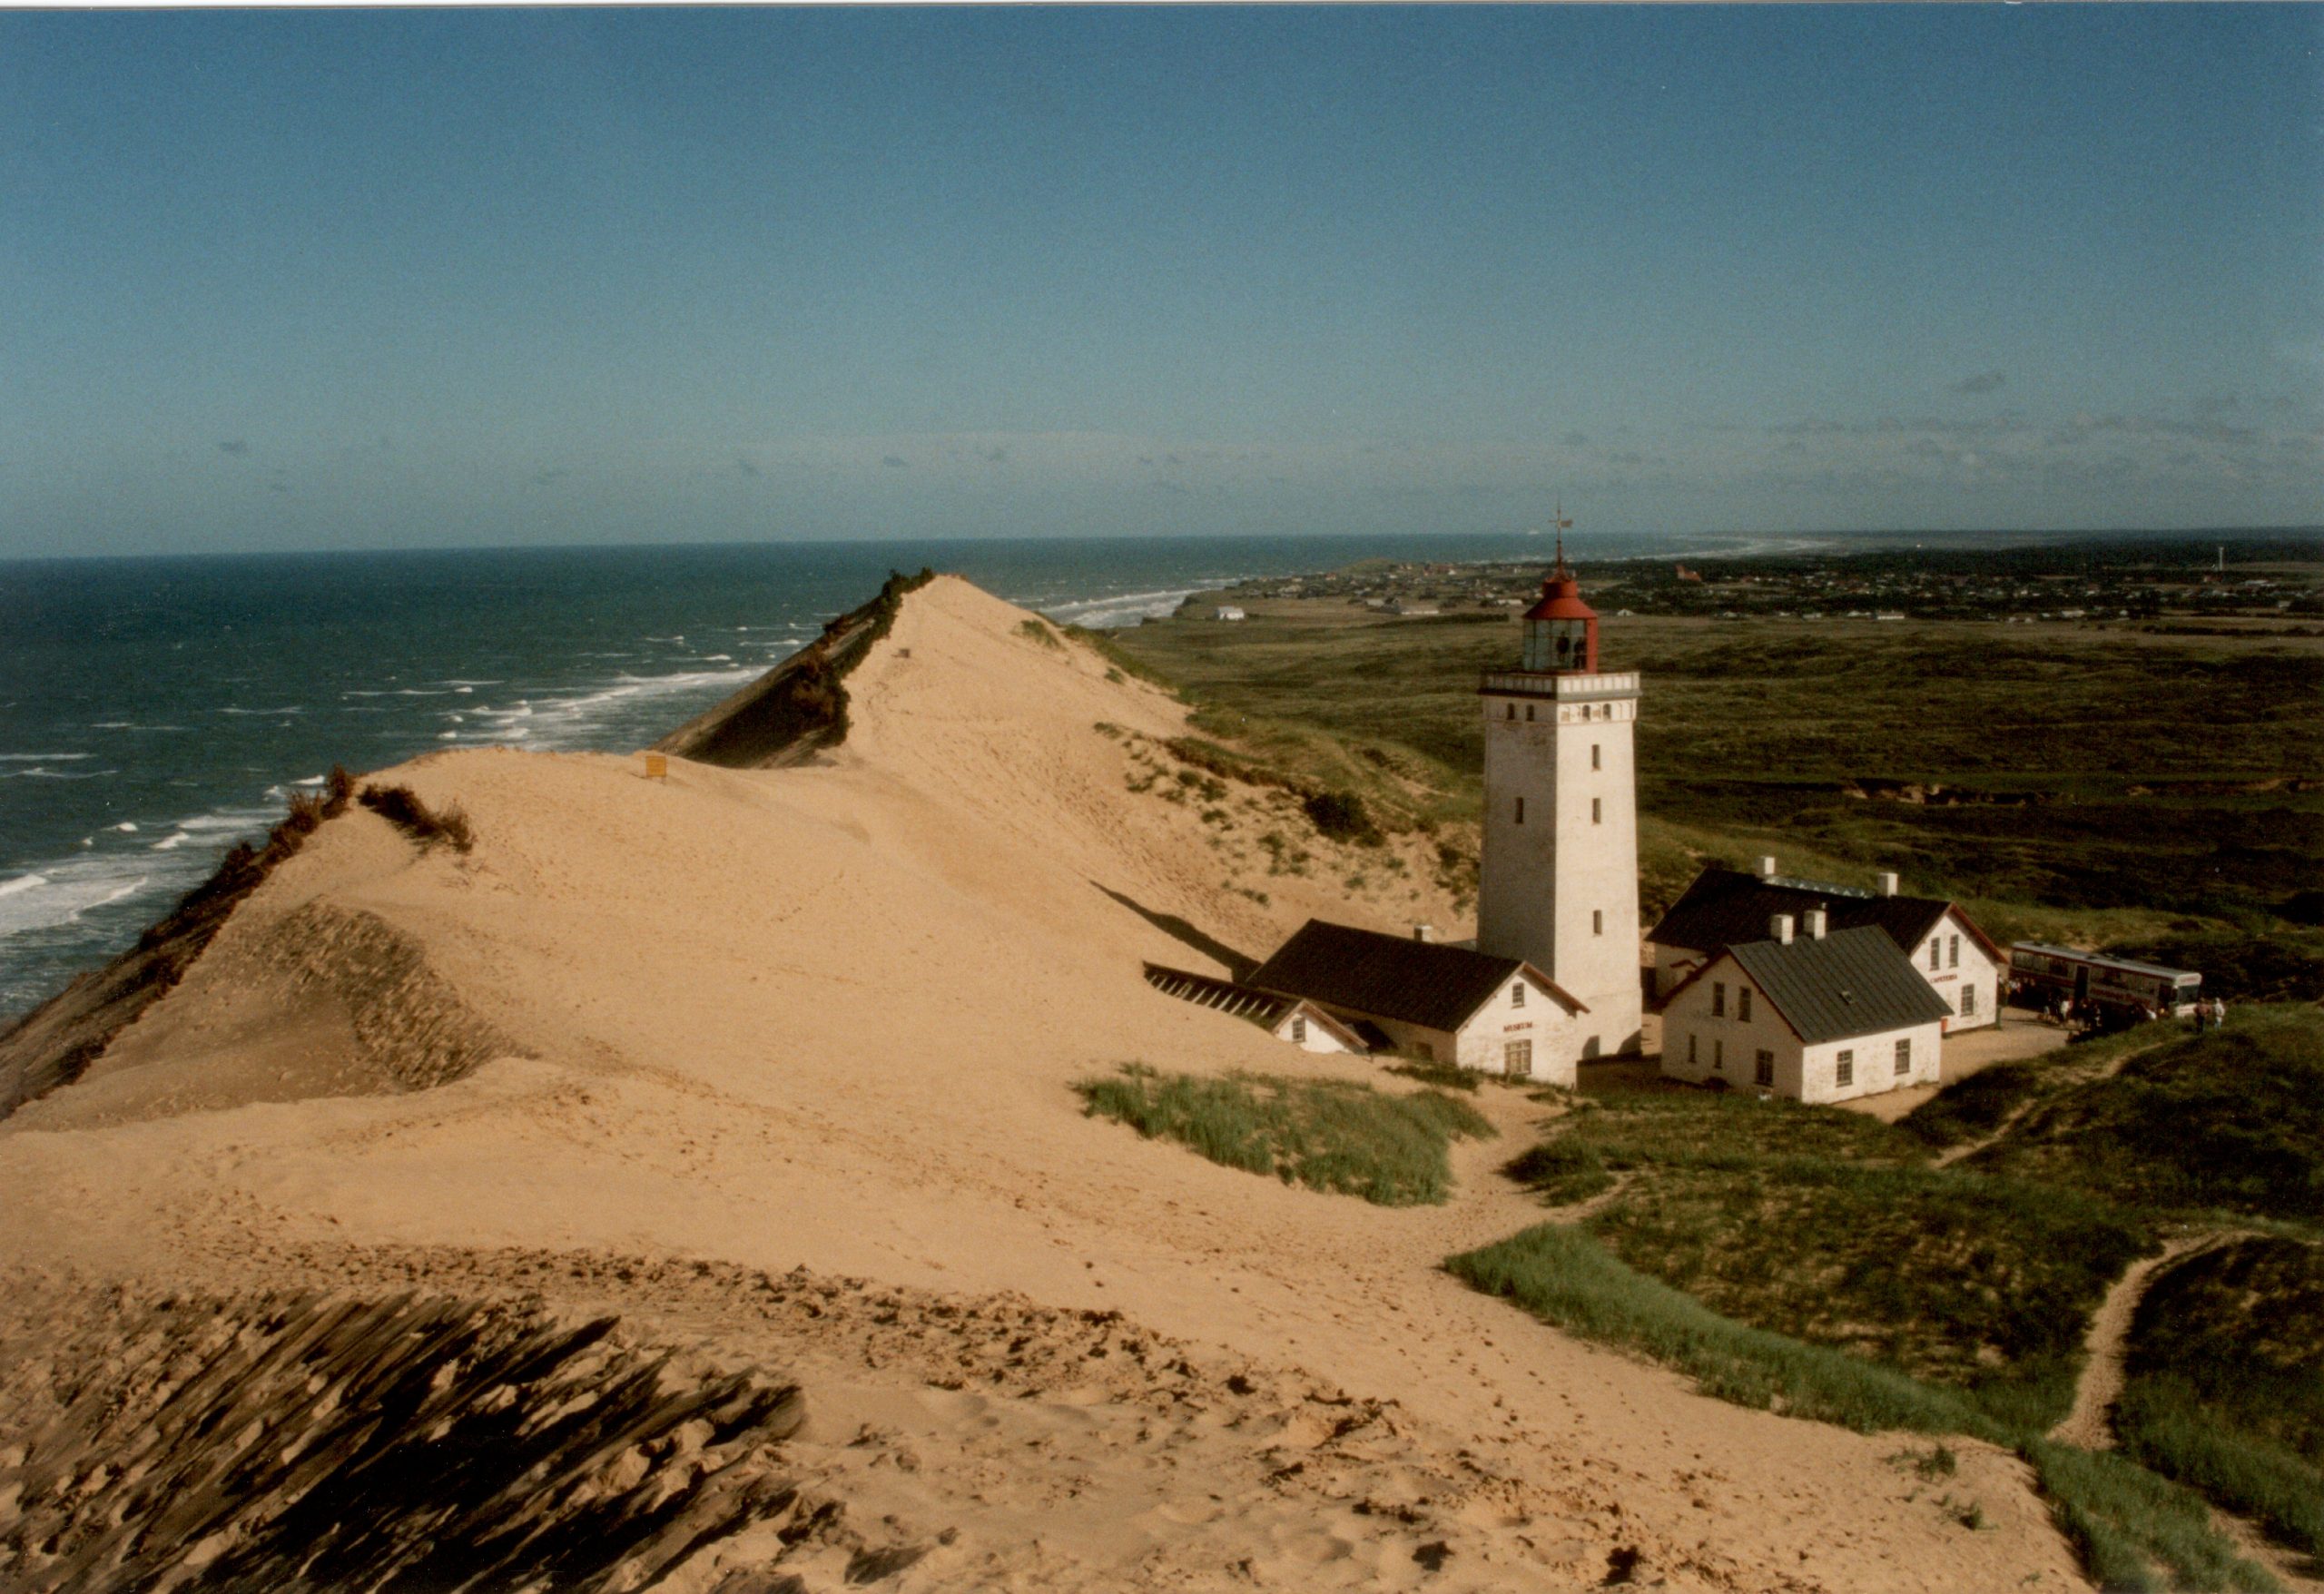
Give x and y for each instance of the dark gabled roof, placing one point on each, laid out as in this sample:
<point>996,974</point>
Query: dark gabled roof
<point>1427,983</point>
<point>1266,1009</point>
<point>1849,982</point>
<point>1725,907</point>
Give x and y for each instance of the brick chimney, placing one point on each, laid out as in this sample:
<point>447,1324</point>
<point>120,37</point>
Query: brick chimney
<point>1781,928</point>
<point>1812,922</point>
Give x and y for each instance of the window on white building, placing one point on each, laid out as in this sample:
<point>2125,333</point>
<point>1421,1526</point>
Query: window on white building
<point>1763,1068</point>
<point>1512,711</point>
<point>1517,1059</point>
<point>1597,811</point>
<point>1743,1003</point>
<point>1904,1057</point>
<point>1528,712</point>
<point>1719,998</point>
<point>1299,1031</point>
<point>1517,994</point>
<point>1593,757</point>
<point>1521,810</point>
<point>1718,1054</point>
<point>1968,999</point>
<point>1596,921</point>
<point>1953,955</point>
<point>1934,949</point>
<point>1694,1053</point>
<point>1844,1068</point>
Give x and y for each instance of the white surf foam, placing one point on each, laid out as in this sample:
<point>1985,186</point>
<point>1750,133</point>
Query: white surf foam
<point>1107,614</point>
<point>60,893</point>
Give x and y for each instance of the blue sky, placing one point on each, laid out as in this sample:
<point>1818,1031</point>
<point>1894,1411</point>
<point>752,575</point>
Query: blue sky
<point>292,280</point>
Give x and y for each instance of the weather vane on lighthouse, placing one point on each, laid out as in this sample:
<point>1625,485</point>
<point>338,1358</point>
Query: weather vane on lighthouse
<point>1558,520</point>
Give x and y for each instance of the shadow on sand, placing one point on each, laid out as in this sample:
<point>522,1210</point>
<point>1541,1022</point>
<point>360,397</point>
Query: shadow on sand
<point>1238,967</point>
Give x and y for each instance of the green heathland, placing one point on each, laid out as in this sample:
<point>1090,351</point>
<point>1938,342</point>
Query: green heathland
<point>1830,1227</point>
<point>1326,1134</point>
<point>2225,1387</point>
<point>2232,1120</point>
<point>2002,767</point>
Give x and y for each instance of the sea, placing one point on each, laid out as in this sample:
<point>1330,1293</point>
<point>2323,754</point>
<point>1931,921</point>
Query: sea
<point>154,711</point>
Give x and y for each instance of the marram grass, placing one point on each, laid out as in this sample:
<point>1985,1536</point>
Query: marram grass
<point>1326,1134</point>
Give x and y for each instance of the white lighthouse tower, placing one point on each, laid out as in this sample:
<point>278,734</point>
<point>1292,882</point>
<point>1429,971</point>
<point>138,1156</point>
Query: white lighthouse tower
<point>1559,881</point>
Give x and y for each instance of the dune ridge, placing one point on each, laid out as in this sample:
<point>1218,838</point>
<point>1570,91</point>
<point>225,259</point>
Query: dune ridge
<point>777,1065</point>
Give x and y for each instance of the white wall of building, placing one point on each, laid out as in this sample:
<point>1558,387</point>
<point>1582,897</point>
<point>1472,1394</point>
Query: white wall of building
<point>1559,887</point>
<point>1700,1043</point>
<point>1482,1043</point>
<point>1962,974</point>
<point>1303,1032</point>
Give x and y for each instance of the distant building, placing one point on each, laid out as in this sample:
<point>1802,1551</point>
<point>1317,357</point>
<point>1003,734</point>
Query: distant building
<point>1444,1003</point>
<point>1814,1016</point>
<point>1227,612</point>
<point>1944,946</point>
<point>1411,611</point>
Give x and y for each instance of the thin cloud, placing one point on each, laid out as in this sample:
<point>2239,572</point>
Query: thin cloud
<point>1982,382</point>
<point>235,446</point>
<point>895,462</point>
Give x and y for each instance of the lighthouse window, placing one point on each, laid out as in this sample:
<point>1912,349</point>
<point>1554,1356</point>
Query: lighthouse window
<point>1597,811</point>
<point>1528,713</point>
<point>1521,810</point>
<point>1596,921</point>
<point>1594,763</point>
<point>1512,711</point>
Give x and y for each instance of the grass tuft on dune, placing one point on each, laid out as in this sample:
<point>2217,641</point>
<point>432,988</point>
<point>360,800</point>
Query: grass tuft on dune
<point>1326,1134</point>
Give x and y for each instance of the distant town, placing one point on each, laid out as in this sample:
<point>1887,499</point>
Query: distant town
<point>2249,584</point>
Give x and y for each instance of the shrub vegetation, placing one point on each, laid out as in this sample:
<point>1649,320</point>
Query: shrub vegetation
<point>1326,1134</point>
<point>2229,1120</point>
<point>2225,1388</point>
<point>401,807</point>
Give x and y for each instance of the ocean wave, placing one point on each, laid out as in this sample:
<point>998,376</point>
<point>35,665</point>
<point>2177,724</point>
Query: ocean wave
<point>58,894</point>
<point>42,757</point>
<point>265,712</point>
<point>1107,614</point>
<point>40,772</point>
<point>126,725</point>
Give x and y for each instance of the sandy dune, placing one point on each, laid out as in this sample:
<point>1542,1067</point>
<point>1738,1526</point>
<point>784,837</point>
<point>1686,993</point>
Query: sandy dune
<point>656,1048</point>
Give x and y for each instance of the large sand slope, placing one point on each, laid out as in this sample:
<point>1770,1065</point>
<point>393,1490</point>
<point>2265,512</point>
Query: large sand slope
<point>652,1047</point>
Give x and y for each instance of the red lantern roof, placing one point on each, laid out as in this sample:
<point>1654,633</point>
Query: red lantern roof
<point>1562,600</point>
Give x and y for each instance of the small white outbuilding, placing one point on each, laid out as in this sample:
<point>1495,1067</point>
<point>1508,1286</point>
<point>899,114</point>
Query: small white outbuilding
<point>1447,1004</point>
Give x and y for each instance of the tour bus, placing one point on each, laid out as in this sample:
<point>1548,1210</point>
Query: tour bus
<point>2043,972</point>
